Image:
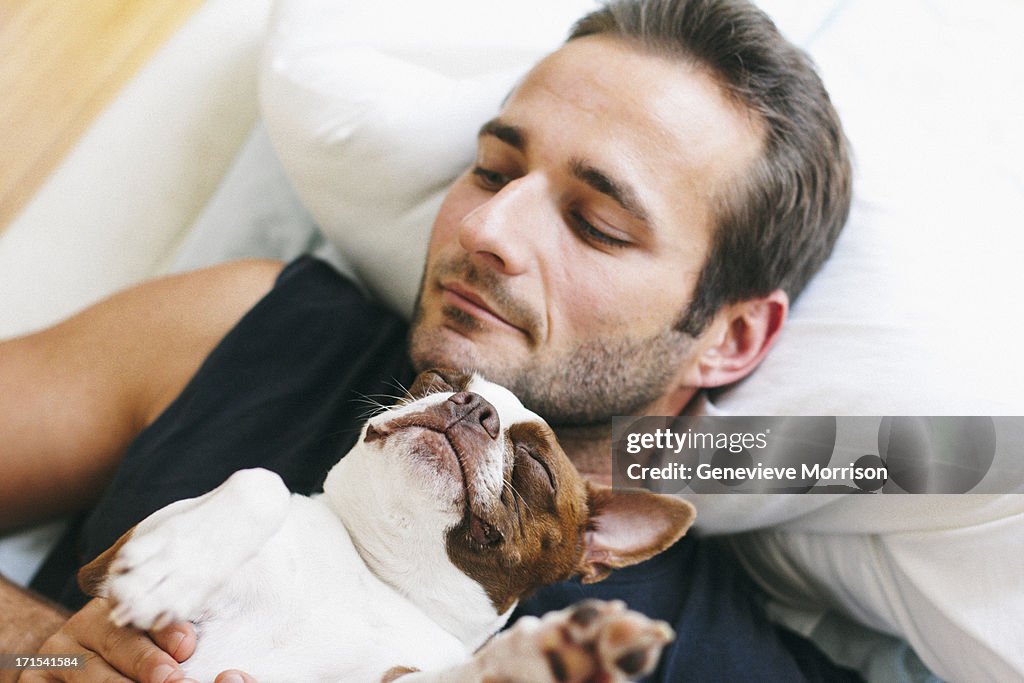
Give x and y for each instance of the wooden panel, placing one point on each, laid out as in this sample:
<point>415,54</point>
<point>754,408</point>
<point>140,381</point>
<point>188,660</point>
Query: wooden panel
<point>61,61</point>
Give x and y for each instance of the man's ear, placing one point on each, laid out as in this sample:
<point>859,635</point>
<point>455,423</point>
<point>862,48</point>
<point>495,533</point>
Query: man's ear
<point>738,339</point>
<point>627,527</point>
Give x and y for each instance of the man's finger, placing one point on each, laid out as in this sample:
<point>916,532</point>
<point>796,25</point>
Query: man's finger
<point>177,640</point>
<point>234,676</point>
<point>64,642</point>
<point>36,677</point>
<point>130,651</point>
<point>95,669</point>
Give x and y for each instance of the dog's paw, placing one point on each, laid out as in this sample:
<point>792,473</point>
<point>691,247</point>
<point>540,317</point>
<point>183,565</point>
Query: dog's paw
<point>178,557</point>
<point>590,641</point>
<point>158,578</point>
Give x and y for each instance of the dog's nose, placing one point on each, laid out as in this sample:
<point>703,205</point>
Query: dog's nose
<point>470,406</point>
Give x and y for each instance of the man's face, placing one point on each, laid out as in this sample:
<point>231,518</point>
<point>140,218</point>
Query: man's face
<point>560,262</point>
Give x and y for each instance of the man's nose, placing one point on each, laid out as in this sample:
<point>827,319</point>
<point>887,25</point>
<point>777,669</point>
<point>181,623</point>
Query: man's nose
<point>503,231</point>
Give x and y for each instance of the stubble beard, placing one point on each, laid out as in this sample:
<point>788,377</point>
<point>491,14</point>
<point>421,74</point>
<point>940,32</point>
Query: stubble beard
<point>579,389</point>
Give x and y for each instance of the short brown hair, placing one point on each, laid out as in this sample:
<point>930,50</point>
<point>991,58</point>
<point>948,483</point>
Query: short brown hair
<point>778,225</point>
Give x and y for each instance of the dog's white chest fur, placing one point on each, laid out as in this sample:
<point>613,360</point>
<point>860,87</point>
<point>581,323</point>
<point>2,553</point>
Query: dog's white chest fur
<point>277,588</point>
<point>308,597</point>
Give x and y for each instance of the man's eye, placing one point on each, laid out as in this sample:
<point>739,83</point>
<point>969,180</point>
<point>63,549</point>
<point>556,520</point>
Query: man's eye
<point>592,234</point>
<point>491,180</point>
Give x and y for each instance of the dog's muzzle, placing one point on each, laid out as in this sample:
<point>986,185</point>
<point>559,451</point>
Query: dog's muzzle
<point>465,416</point>
<point>466,426</point>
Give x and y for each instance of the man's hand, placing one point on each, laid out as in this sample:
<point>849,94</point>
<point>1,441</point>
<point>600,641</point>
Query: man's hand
<point>113,653</point>
<point>120,654</point>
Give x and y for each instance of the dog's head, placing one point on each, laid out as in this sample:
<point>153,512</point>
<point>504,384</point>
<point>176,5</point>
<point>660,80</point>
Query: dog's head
<point>464,501</point>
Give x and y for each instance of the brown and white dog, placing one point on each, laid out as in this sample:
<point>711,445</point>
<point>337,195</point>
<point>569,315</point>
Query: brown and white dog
<point>450,508</point>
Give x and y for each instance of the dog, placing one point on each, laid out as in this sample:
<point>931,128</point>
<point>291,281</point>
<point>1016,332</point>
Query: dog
<point>451,507</point>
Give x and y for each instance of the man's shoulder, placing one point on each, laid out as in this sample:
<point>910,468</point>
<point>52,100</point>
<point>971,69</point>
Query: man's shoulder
<point>203,305</point>
<point>243,282</point>
<point>182,318</point>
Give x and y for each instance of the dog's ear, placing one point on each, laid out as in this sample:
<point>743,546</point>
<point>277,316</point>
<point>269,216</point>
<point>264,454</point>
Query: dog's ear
<point>627,527</point>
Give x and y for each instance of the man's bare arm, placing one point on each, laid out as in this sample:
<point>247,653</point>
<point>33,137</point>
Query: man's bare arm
<point>27,621</point>
<point>73,396</point>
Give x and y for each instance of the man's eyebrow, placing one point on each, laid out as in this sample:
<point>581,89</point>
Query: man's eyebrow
<point>624,195</point>
<point>510,135</point>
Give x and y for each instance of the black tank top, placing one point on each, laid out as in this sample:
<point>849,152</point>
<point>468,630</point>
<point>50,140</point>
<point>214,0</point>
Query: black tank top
<point>287,389</point>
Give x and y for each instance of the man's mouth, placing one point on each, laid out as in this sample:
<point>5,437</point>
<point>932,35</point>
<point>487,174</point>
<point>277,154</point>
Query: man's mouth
<point>467,301</point>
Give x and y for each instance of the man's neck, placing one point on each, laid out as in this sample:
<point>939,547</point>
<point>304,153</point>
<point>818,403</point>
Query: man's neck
<point>590,449</point>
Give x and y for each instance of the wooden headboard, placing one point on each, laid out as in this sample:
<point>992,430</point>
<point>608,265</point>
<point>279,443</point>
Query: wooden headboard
<point>61,61</point>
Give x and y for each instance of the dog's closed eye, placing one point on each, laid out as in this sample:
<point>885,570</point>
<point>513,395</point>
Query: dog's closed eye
<point>527,458</point>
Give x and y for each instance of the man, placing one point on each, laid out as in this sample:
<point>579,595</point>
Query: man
<point>637,219</point>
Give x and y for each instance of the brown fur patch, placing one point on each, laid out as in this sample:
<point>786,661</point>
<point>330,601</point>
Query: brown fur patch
<point>576,529</point>
<point>542,516</point>
<point>92,576</point>
<point>437,380</point>
<point>396,672</point>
